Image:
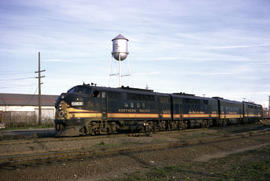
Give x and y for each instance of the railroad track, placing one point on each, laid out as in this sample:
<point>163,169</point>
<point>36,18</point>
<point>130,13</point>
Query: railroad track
<point>88,137</point>
<point>33,139</point>
<point>45,157</point>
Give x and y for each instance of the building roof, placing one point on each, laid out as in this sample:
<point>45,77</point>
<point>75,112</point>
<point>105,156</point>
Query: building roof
<point>26,100</point>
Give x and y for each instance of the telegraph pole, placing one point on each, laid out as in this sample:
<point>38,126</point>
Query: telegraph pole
<point>269,104</point>
<point>269,107</point>
<point>39,88</point>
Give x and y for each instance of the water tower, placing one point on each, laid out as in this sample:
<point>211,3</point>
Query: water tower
<point>120,48</point>
<point>119,53</point>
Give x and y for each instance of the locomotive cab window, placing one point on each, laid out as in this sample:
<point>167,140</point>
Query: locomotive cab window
<point>80,90</point>
<point>96,93</point>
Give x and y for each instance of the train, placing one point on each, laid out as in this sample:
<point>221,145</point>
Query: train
<point>89,109</point>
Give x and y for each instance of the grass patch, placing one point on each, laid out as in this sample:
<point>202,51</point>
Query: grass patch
<point>246,166</point>
<point>29,127</point>
<point>123,143</point>
<point>160,173</point>
<point>257,170</point>
<point>101,143</point>
<point>104,145</point>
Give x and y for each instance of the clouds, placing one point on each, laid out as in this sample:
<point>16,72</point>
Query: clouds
<point>240,46</point>
<point>197,46</point>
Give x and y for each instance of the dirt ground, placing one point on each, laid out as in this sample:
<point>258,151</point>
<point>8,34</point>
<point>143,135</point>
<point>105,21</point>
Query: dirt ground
<point>247,166</point>
<point>172,163</point>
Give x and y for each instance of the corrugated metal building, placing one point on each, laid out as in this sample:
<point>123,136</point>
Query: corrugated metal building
<point>22,109</point>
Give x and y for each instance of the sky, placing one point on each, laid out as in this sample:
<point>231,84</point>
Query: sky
<point>207,47</point>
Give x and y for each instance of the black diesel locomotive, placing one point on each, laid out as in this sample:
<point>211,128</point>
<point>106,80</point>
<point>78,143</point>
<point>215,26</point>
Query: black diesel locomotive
<point>91,110</point>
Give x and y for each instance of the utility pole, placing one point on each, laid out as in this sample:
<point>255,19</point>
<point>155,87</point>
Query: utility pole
<point>269,104</point>
<point>269,108</point>
<point>39,88</point>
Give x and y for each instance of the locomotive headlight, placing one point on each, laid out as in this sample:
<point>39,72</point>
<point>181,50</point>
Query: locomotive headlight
<point>61,114</point>
<point>76,103</point>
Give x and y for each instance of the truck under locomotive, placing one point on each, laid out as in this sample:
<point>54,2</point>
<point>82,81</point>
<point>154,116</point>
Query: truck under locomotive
<point>91,110</point>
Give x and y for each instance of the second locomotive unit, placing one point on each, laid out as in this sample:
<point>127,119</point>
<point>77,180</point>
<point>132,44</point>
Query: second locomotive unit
<point>91,110</point>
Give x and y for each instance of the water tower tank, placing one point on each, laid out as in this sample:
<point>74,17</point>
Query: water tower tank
<point>120,48</point>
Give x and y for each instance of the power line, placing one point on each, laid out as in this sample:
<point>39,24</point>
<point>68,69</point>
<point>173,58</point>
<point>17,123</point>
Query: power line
<point>15,73</point>
<point>21,78</point>
<point>30,99</point>
<point>16,86</point>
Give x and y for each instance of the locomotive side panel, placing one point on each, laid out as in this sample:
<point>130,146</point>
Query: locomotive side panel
<point>194,111</point>
<point>133,110</point>
<point>130,105</point>
<point>230,112</point>
<point>252,112</point>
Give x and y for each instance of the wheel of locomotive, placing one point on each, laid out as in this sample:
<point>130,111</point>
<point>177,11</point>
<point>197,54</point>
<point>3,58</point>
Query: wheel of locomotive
<point>205,124</point>
<point>162,125</point>
<point>183,125</point>
<point>113,127</point>
<point>149,128</point>
<point>108,130</point>
<point>220,123</point>
<point>188,124</point>
<point>91,128</point>
<point>202,124</point>
<point>224,123</point>
<point>210,123</point>
<point>169,125</point>
<point>152,126</point>
<point>174,125</point>
<point>155,127</point>
<point>83,131</point>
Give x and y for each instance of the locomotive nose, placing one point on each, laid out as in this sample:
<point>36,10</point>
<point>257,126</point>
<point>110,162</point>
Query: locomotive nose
<point>59,99</point>
<point>70,99</point>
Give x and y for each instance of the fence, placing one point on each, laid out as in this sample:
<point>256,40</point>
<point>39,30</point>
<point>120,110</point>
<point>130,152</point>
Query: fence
<point>26,118</point>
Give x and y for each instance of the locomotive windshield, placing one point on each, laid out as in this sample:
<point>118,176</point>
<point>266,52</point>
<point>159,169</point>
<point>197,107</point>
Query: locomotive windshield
<point>80,90</point>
